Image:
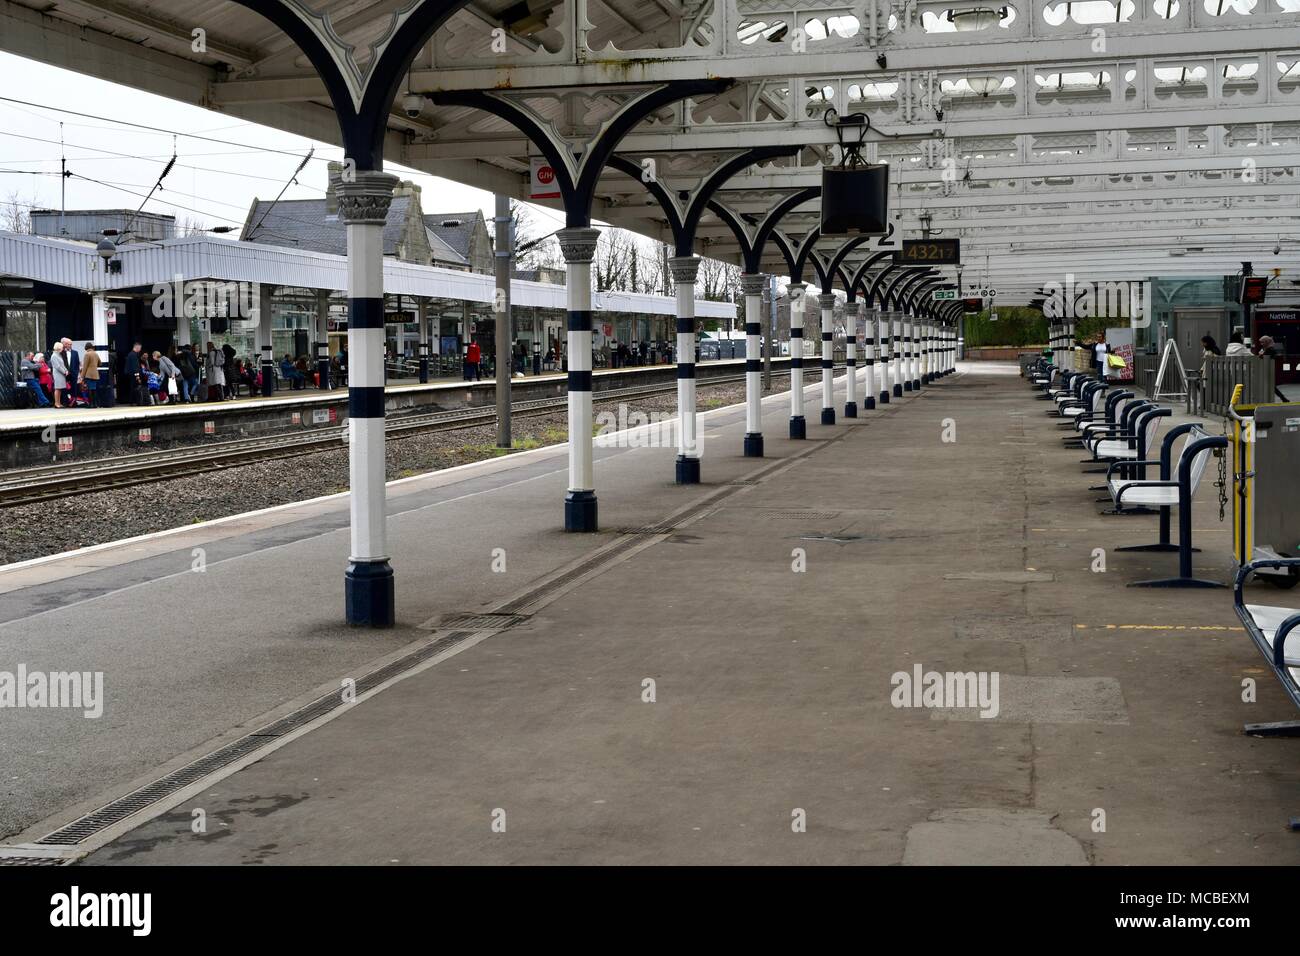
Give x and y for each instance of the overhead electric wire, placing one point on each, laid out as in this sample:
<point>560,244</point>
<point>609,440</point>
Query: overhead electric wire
<point>154,129</point>
<point>111,154</point>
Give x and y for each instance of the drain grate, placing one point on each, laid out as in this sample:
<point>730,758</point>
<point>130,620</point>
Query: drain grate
<point>479,621</point>
<point>800,515</point>
<point>746,482</point>
<point>118,810</point>
<point>649,529</point>
<point>31,861</point>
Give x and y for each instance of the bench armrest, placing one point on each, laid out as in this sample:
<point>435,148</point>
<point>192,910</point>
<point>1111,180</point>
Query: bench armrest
<point>1246,570</point>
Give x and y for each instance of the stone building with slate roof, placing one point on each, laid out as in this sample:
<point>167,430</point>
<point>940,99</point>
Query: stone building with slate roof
<point>314,225</point>
<point>467,234</point>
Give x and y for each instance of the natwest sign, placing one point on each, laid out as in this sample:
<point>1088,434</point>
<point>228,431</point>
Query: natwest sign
<point>544,185</point>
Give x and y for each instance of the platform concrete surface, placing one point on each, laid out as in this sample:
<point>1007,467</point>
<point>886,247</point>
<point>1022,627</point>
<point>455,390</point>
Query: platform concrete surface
<point>723,691</point>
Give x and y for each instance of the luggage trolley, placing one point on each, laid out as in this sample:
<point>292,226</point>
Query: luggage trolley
<point>1266,485</point>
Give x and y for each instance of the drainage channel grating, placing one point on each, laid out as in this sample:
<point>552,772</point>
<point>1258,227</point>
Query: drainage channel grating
<point>31,861</point>
<point>746,482</point>
<point>648,529</point>
<point>800,515</point>
<point>106,816</point>
<point>477,621</point>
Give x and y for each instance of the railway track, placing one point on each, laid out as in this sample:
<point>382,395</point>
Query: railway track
<point>49,482</point>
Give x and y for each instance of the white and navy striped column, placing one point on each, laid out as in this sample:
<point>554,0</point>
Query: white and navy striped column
<point>322,326</point>
<point>928,354</point>
<point>935,344</point>
<point>578,244</point>
<point>684,270</point>
<point>922,350</point>
<point>798,299</point>
<point>909,354</point>
<point>827,303</point>
<point>886,361</point>
<point>898,352</point>
<point>868,356</point>
<point>753,286</point>
<point>852,312</point>
<point>914,331</point>
<point>264,292</point>
<point>363,206</point>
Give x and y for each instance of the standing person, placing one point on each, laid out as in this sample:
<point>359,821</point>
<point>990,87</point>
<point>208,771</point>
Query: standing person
<point>90,375</point>
<point>215,367</point>
<point>44,376</point>
<point>1099,352</point>
<point>73,358</point>
<point>189,374</point>
<point>228,353</point>
<point>59,368</point>
<point>170,372</point>
<point>30,371</point>
<point>1236,346</point>
<point>134,369</point>
<point>1209,349</point>
<point>473,356</point>
<point>1266,347</point>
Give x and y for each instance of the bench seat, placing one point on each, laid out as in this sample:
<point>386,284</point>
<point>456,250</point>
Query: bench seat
<point>1139,494</point>
<point>1268,619</point>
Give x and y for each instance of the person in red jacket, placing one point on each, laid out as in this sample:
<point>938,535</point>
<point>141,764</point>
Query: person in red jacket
<point>473,355</point>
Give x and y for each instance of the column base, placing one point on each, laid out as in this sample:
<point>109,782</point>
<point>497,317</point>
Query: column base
<point>688,470</point>
<point>828,416</point>
<point>907,386</point>
<point>916,385</point>
<point>798,427</point>
<point>754,445</point>
<point>850,409</point>
<point>869,403</point>
<point>898,391</point>
<point>580,511</point>
<point>424,371</point>
<point>268,384</point>
<point>368,589</point>
<point>884,398</point>
<point>323,374</point>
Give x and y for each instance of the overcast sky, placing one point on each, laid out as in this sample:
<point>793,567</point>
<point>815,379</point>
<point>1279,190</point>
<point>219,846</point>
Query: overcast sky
<point>214,180</point>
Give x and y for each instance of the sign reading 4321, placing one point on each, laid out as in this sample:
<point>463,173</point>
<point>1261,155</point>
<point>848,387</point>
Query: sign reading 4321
<point>929,252</point>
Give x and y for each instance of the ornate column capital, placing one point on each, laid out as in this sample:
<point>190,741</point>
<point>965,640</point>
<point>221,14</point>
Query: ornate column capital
<point>366,197</point>
<point>578,243</point>
<point>753,283</point>
<point>826,300</point>
<point>684,269</point>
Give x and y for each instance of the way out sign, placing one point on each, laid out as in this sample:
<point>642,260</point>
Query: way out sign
<point>945,295</point>
<point>544,185</point>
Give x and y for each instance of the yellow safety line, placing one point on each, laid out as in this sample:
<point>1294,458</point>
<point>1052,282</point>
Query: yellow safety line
<point>1158,627</point>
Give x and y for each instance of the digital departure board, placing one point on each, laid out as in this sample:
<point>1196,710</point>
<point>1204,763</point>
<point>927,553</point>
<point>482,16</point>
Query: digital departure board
<point>929,252</point>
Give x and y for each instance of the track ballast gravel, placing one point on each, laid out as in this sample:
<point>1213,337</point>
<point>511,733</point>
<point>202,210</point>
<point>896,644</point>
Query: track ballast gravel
<point>36,530</point>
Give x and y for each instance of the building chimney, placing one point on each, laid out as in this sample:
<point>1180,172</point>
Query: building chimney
<point>331,191</point>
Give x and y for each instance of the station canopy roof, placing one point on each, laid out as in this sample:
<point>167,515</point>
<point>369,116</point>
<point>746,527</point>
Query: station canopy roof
<point>1105,139</point>
<point>147,266</point>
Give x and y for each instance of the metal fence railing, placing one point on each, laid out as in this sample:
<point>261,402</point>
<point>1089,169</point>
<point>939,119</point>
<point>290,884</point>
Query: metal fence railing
<point>1224,372</point>
<point>1145,366</point>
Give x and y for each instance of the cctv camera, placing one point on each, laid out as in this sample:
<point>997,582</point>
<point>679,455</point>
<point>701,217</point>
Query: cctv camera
<point>1277,249</point>
<point>412,105</point>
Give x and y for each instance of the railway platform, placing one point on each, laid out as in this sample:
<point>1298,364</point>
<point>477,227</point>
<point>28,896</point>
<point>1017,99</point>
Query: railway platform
<point>641,695</point>
<point>38,437</point>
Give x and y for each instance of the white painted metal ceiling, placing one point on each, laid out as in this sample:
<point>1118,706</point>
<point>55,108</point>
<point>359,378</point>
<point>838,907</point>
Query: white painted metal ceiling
<point>1110,139</point>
